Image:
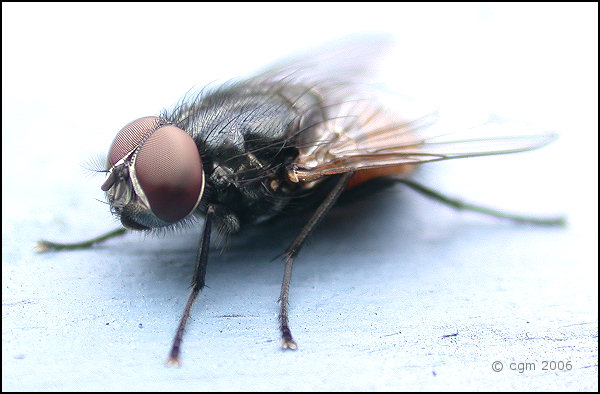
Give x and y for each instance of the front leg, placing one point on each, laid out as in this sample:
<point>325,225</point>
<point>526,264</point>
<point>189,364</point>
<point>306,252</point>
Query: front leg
<point>45,246</point>
<point>196,285</point>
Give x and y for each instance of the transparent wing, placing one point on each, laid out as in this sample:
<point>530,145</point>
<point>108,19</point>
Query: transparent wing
<point>324,77</point>
<point>351,60</point>
<point>358,127</point>
<point>365,136</point>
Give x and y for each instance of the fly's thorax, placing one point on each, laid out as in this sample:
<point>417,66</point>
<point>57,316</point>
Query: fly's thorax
<point>155,176</point>
<point>245,188</point>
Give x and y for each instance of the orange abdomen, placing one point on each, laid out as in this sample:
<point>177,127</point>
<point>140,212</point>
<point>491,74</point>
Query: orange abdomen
<point>365,175</point>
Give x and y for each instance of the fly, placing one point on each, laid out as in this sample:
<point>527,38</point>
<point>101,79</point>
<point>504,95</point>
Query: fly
<point>304,130</point>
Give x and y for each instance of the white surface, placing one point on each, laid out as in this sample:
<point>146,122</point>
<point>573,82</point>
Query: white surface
<point>381,282</point>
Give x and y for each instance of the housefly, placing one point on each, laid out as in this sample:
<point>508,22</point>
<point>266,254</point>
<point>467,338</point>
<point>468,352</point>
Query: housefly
<point>304,130</point>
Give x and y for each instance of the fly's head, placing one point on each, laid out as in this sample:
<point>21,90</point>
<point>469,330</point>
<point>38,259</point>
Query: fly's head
<point>154,176</point>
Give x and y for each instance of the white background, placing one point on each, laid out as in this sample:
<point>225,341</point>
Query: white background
<point>372,299</point>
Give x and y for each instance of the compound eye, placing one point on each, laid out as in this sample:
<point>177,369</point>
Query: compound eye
<point>169,171</point>
<point>130,137</point>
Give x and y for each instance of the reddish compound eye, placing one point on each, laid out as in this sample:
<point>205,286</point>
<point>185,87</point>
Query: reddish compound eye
<point>169,170</point>
<point>130,137</point>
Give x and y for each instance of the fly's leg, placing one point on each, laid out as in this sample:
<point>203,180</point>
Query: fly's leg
<point>287,342</point>
<point>196,285</point>
<point>45,246</point>
<point>461,205</point>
